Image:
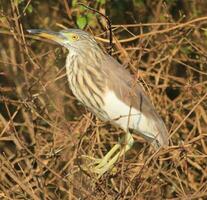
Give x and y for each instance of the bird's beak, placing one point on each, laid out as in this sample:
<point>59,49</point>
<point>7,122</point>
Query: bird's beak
<point>51,35</point>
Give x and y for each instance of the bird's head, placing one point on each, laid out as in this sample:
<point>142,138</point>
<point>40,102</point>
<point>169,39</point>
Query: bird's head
<point>73,39</point>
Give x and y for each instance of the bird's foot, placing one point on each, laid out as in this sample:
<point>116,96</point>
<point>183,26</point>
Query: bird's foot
<point>100,166</point>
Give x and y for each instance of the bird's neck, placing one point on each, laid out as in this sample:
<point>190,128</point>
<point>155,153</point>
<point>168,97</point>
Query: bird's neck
<point>86,56</point>
<point>86,63</point>
<point>86,80</point>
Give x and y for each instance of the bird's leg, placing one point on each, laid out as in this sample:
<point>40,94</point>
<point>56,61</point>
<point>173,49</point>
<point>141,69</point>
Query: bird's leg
<point>108,161</point>
<point>103,161</point>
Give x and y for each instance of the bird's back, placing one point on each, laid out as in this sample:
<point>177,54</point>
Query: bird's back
<point>126,97</point>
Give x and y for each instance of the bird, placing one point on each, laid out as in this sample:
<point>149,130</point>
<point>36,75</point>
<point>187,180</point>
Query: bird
<point>109,91</point>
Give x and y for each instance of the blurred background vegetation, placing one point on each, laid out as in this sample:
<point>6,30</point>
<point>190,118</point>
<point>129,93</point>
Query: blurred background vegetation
<point>44,129</point>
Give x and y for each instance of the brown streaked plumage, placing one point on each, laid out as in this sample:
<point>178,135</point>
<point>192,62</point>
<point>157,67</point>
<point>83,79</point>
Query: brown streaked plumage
<point>108,90</point>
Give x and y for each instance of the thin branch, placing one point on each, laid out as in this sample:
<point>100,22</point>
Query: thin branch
<point>108,23</point>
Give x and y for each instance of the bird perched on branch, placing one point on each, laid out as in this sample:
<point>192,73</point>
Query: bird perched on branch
<point>109,91</point>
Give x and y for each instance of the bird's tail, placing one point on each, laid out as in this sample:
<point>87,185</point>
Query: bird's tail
<point>162,137</point>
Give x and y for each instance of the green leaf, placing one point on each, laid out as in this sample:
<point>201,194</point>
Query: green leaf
<point>17,2</point>
<point>30,8</point>
<point>81,22</point>
<point>101,1</point>
<point>139,2</point>
<point>74,3</point>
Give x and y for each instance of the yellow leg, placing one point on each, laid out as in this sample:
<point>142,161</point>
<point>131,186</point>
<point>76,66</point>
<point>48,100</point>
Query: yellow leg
<point>104,160</point>
<point>101,169</point>
<point>108,161</point>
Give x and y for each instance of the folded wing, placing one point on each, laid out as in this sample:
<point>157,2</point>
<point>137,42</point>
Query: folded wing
<point>128,105</point>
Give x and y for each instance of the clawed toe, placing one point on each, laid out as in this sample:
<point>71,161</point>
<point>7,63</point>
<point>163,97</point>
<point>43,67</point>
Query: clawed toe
<point>97,166</point>
<point>100,166</point>
<point>93,161</point>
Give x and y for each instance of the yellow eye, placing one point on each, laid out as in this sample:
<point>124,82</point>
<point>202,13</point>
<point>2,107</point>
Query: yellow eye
<point>74,37</point>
